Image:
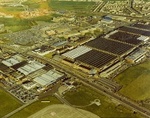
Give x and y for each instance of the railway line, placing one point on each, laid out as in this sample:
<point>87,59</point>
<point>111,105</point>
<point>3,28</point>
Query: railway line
<point>84,79</point>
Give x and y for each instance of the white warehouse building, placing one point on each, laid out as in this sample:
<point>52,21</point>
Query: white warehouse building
<point>48,78</point>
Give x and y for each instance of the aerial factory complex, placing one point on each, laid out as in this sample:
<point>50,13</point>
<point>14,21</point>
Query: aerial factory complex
<point>75,58</point>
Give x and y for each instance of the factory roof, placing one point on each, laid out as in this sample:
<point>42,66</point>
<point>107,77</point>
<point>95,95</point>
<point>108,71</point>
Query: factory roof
<point>31,67</point>
<point>48,78</point>
<point>96,58</point>
<point>77,52</point>
<point>13,60</point>
<point>60,43</point>
<point>109,46</point>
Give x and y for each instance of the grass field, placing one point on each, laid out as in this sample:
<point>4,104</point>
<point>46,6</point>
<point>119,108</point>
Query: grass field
<point>36,4</point>
<point>70,5</point>
<point>63,111</point>
<point>7,103</point>
<point>108,108</point>
<point>32,4</point>
<point>33,108</point>
<point>13,9</point>
<point>14,21</point>
<point>16,24</point>
<point>46,18</point>
<point>135,81</point>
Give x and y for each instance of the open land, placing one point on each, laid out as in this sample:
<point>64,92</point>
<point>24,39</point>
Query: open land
<point>36,106</point>
<point>63,111</point>
<point>135,81</point>
<point>8,103</point>
<point>109,107</point>
<point>70,5</point>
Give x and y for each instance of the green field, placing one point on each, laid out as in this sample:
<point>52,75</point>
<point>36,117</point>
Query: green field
<point>70,5</point>
<point>17,28</point>
<point>16,24</point>
<point>7,103</point>
<point>135,81</point>
<point>36,4</point>
<point>13,9</point>
<point>46,18</point>
<point>14,21</point>
<point>32,4</point>
<point>108,108</point>
<point>33,108</point>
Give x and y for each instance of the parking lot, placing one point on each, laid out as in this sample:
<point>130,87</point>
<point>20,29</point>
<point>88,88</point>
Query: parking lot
<point>22,94</point>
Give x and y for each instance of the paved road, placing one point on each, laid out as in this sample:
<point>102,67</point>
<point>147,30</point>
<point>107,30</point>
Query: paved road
<point>132,8</point>
<point>83,78</point>
<point>61,99</point>
<point>100,6</point>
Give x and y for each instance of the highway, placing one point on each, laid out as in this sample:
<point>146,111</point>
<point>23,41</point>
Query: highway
<point>83,78</point>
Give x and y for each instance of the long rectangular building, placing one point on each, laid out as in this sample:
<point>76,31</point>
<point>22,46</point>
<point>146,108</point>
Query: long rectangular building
<point>135,31</point>
<point>48,78</point>
<point>125,37</point>
<point>110,46</point>
<point>76,52</point>
<point>141,26</point>
<point>31,67</point>
<point>96,59</point>
<point>13,60</point>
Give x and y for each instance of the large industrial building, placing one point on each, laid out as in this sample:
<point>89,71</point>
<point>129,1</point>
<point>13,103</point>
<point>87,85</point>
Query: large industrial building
<point>110,46</point>
<point>30,73</point>
<point>13,60</point>
<point>124,37</point>
<point>48,78</point>
<point>31,67</point>
<point>108,52</point>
